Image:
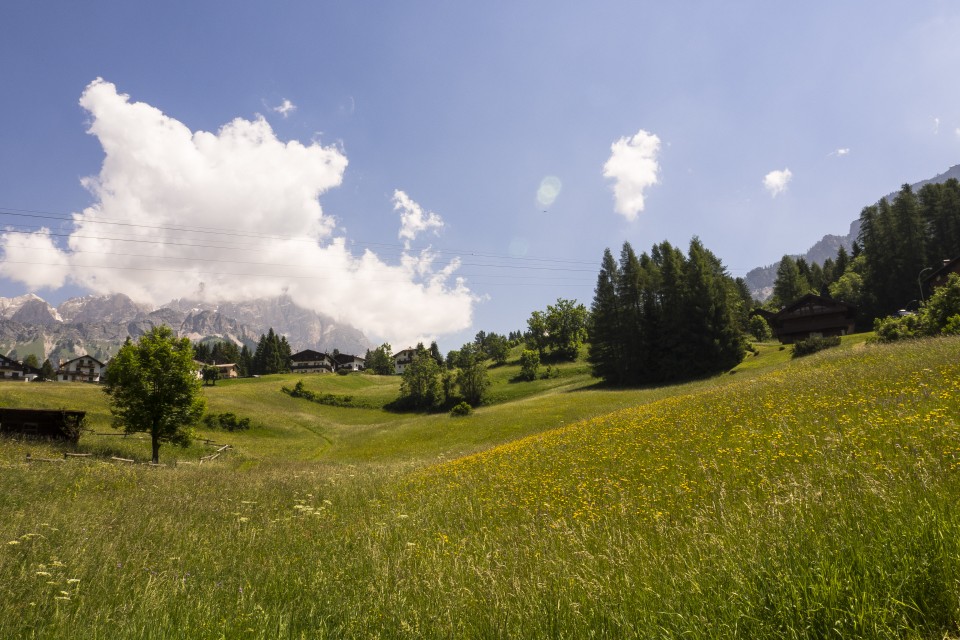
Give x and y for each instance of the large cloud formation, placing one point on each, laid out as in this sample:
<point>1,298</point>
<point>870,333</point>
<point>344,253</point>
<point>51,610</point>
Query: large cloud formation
<point>232,215</point>
<point>634,167</point>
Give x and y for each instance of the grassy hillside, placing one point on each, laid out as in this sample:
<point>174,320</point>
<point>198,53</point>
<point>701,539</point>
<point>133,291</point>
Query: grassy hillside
<point>811,498</point>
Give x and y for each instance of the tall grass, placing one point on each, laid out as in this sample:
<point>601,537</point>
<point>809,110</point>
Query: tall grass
<point>814,500</point>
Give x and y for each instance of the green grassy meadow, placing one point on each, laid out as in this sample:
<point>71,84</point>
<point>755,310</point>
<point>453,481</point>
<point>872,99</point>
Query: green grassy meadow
<point>808,498</point>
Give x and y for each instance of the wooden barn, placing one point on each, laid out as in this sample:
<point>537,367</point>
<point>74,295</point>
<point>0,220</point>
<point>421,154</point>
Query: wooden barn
<point>813,316</point>
<point>56,424</point>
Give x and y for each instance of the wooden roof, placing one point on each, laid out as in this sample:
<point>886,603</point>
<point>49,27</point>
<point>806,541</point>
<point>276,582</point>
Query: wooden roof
<point>79,357</point>
<point>811,305</point>
<point>309,354</point>
<point>937,277</point>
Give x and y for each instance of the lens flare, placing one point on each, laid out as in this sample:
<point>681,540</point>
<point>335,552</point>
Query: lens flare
<point>549,190</point>
<point>519,247</point>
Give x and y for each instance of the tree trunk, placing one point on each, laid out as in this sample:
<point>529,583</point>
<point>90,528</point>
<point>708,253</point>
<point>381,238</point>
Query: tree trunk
<point>155,442</point>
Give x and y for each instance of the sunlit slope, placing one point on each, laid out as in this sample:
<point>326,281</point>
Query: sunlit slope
<point>872,413</point>
<point>816,499</point>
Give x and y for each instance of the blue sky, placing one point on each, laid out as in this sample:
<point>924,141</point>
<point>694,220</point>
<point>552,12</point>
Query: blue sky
<point>422,131</point>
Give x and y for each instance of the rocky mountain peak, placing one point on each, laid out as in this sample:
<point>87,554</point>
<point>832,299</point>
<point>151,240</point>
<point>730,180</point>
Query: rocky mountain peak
<point>9,306</point>
<point>37,312</point>
<point>112,308</point>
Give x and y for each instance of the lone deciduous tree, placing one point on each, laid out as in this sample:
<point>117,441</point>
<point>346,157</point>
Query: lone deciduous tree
<point>421,387</point>
<point>153,388</point>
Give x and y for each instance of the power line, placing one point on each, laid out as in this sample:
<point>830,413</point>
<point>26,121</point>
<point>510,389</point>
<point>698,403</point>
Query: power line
<point>263,264</point>
<point>559,281</point>
<point>63,217</point>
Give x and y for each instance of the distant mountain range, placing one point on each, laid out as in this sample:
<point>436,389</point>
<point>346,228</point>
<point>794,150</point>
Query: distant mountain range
<point>98,325</point>
<point>760,280</point>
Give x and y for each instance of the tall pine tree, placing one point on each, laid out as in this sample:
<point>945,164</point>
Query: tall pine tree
<point>604,330</point>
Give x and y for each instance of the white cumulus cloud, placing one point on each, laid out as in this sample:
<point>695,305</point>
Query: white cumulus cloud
<point>634,167</point>
<point>776,181</point>
<point>414,220</point>
<point>285,108</point>
<point>231,215</point>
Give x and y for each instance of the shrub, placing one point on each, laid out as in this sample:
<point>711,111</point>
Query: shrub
<point>226,421</point>
<point>329,399</point>
<point>896,328</point>
<point>942,305</point>
<point>940,315</point>
<point>952,327</point>
<point>529,364</point>
<point>812,345</point>
<point>462,409</point>
<point>759,329</point>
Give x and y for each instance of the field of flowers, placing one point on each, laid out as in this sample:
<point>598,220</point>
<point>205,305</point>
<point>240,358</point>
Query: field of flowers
<point>873,414</point>
<point>815,500</point>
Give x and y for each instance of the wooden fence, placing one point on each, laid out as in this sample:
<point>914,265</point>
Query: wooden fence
<point>74,456</point>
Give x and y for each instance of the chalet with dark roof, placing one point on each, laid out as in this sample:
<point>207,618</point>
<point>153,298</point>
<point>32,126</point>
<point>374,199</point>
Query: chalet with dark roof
<point>310,361</point>
<point>403,358</point>
<point>813,316</point>
<point>11,369</point>
<point>346,362</point>
<point>82,369</point>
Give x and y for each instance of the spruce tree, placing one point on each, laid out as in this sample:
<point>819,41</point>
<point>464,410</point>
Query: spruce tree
<point>284,354</point>
<point>673,336</point>
<point>435,353</point>
<point>911,249</point>
<point>245,362</point>
<point>789,285</point>
<point>629,301</point>
<point>604,330</point>
<point>651,324</point>
<point>841,263</point>
<point>258,357</point>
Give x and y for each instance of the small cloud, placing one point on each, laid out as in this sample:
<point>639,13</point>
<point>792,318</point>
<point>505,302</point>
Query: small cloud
<point>776,181</point>
<point>633,166</point>
<point>842,152</point>
<point>413,219</point>
<point>285,108</point>
<point>957,131</point>
<point>936,124</point>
